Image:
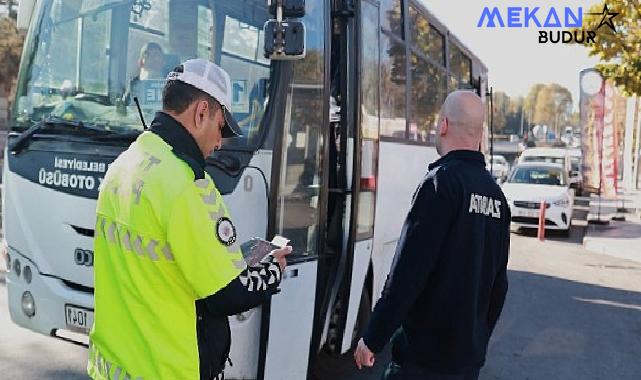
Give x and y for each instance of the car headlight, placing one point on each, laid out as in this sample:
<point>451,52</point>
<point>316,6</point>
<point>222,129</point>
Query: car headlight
<point>562,202</point>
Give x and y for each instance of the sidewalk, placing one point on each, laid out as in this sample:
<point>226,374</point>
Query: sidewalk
<point>616,238</point>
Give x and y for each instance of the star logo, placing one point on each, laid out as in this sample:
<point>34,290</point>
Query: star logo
<point>607,18</point>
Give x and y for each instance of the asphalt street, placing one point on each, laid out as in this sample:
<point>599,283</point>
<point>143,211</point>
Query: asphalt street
<point>26,355</point>
<point>570,314</point>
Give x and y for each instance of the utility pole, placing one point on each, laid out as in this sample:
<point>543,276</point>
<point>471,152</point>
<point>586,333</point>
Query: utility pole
<point>522,118</point>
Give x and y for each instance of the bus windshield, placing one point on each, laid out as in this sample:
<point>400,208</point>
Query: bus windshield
<point>86,61</point>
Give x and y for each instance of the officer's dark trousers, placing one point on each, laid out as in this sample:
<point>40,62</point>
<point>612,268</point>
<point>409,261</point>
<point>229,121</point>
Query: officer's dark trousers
<point>411,372</point>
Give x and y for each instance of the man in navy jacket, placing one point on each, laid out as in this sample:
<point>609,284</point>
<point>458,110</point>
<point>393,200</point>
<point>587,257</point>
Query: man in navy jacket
<point>448,281</point>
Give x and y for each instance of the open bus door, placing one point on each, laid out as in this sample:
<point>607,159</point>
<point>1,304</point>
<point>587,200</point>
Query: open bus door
<point>325,199</point>
<point>297,203</point>
<point>344,296</point>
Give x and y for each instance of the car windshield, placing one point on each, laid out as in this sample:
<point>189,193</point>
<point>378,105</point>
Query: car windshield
<point>538,176</point>
<point>86,61</point>
<point>550,159</point>
<point>498,160</point>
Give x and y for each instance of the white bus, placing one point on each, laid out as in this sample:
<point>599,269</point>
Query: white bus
<point>334,145</point>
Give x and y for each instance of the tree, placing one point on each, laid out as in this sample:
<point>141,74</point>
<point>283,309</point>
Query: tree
<point>516,118</point>
<point>501,107</point>
<point>620,51</point>
<point>549,105</point>
<point>10,50</point>
<point>531,100</point>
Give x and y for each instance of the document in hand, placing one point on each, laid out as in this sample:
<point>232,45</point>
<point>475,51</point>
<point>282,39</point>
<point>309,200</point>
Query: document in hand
<point>255,249</point>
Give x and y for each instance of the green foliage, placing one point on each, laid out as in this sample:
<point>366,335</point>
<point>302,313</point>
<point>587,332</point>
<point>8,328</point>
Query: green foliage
<point>501,103</point>
<point>10,50</point>
<point>549,105</point>
<point>507,113</point>
<point>620,52</point>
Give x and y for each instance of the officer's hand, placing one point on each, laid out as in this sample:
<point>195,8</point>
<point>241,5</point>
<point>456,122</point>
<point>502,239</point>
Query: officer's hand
<point>363,356</point>
<point>279,255</point>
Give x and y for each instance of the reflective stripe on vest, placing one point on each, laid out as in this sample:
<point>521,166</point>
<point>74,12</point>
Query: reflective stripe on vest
<point>107,369</point>
<point>129,241</point>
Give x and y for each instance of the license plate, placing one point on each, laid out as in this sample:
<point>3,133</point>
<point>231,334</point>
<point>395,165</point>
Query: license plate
<point>527,213</point>
<point>78,319</point>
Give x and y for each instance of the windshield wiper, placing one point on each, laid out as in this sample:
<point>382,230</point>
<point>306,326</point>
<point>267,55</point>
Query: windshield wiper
<point>55,123</point>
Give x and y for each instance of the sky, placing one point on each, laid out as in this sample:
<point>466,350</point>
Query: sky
<point>514,57</point>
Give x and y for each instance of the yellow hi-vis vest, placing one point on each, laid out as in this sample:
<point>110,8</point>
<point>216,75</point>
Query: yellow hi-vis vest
<point>162,241</point>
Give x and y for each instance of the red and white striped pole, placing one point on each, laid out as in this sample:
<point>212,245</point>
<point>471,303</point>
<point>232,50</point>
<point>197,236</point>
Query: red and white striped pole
<point>541,231</point>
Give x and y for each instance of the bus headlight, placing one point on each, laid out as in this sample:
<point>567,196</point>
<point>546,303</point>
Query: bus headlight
<point>27,274</point>
<point>28,304</point>
<point>16,267</point>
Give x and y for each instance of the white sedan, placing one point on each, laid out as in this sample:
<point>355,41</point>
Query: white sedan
<point>531,183</point>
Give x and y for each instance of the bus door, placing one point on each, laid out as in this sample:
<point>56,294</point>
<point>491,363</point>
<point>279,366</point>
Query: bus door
<point>353,157</point>
<point>356,292</point>
<point>296,205</point>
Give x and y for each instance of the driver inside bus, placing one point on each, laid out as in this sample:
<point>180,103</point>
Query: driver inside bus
<point>151,66</point>
<point>151,62</point>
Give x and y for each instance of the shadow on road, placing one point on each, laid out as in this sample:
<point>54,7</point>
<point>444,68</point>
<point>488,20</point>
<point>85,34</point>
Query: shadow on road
<point>33,361</point>
<point>553,328</point>
<point>64,374</point>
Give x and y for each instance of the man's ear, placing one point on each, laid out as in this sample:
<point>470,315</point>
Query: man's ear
<point>200,113</point>
<point>445,124</point>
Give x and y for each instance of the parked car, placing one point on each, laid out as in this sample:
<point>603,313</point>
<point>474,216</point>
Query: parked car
<point>554,155</point>
<point>531,183</point>
<point>499,166</point>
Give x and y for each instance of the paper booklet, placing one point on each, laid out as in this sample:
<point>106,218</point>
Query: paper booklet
<point>254,250</point>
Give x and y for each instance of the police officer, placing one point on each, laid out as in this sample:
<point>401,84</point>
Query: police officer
<point>168,269</point>
<point>448,280</point>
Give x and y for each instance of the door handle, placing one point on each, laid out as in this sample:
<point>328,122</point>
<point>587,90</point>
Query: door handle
<point>290,273</point>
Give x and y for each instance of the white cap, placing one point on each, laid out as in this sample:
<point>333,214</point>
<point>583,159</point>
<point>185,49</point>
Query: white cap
<point>213,80</point>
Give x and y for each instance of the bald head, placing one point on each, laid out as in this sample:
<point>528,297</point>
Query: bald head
<point>464,110</point>
<point>462,117</point>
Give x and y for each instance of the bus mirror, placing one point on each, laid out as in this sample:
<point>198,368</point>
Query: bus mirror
<point>291,8</point>
<point>284,40</point>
